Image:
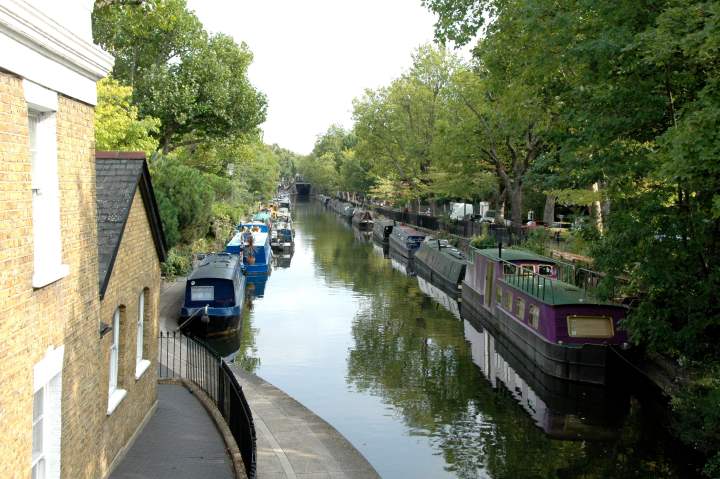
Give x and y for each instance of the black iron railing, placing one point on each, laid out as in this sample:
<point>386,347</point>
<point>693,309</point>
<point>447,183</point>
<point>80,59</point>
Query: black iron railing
<point>185,357</point>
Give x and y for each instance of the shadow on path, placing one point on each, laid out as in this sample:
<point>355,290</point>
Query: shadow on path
<point>180,441</point>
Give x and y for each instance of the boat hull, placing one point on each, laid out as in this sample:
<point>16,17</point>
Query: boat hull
<point>447,286</point>
<point>586,363</point>
<point>221,320</point>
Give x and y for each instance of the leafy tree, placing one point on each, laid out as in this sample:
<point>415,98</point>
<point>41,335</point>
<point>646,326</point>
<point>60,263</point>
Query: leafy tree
<point>195,83</point>
<point>117,126</point>
<point>397,125</point>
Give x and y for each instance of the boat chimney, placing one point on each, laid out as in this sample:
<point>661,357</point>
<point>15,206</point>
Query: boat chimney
<point>500,249</point>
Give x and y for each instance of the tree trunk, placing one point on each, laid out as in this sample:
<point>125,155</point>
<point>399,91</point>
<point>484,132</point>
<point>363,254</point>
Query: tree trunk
<point>549,211</point>
<point>598,209</point>
<point>516,203</point>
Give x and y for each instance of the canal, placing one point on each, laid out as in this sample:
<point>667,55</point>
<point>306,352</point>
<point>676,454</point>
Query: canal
<point>419,391</point>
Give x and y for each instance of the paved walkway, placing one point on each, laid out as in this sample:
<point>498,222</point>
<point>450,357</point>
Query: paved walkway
<point>180,441</point>
<point>292,442</point>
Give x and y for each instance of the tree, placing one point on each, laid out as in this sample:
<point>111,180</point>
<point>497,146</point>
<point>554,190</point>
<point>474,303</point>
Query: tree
<point>397,125</point>
<point>195,83</point>
<point>117,126</point>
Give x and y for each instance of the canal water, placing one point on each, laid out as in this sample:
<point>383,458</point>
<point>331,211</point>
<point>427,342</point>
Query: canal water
<point>387,360</point>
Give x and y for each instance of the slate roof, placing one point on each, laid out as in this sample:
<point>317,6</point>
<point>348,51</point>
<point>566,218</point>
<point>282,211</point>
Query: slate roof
<point>118,176</point>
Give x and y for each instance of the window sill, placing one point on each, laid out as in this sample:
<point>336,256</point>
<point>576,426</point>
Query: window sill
<point>49,275</point>
<point>115,399</point>
<point>141,367</point>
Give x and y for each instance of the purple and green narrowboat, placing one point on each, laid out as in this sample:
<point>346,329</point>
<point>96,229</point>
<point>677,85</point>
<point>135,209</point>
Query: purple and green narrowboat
<point>558,325</point>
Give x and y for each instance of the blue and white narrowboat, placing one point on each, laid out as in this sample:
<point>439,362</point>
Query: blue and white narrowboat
<point>253,240</point>
<point>214,295</point>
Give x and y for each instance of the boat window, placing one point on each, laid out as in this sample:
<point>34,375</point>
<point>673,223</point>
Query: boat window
<point>534,316</point>
<point>507,300</point>
<point>527,270</point>
<point>590,326</point>
<point>202,293</point>
<point>520,309</point>
<point>509,268</point>
<point>545,269</point>
<point>498,295</point>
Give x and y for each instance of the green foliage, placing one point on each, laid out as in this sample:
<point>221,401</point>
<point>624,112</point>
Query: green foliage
<point>195,83</point>
<point>483,241</point>
<point>176,264</point>
<point>117,126</point>
<point>185,198</point>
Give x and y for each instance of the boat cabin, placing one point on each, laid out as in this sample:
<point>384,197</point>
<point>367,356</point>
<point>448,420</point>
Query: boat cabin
<point>540,293</point>
<point>256,260</point>
<point>406,240</point>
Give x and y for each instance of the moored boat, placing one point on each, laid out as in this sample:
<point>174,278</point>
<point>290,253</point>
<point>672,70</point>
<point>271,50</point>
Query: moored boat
<point>214,295</point>
<point>282,236</point>
<point>405,240</point>
<point>253,239</point>
<point>559,326</point>
<point>442,264</point>
<point>362,220</point>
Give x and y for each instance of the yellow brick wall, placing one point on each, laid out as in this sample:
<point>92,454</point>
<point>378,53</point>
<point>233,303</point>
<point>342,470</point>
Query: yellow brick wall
<point>137,268</point>
<point>65,312</point>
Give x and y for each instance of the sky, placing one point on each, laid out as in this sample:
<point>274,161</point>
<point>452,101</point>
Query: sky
<point>312,57</point>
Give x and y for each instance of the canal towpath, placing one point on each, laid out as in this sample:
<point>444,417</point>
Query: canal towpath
<point>292,441</point>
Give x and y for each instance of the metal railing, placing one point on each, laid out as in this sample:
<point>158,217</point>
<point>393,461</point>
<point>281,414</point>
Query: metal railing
<point>185,357</point>
<point>532,283</point>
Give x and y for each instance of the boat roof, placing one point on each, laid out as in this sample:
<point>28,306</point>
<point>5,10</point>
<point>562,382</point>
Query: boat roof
<point>384,222</point>
<point>407,230</point>
<point>259,239</point>
<point>446,248</point>
<point>511,254</point>
<point>556,292</point>
<point>216,266</point>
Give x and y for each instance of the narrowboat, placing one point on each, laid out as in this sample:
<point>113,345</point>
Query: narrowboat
<point>442,264</point>
<point>405,240</point>
<point>282,236</point>
<point>557,325</point>
<point>283,214</point>
<point>284,202</point>
<point>253,239</point>
<point>214,295</point>
<point>362,220</point>
<point>264,216</point>
<point>382,229</point>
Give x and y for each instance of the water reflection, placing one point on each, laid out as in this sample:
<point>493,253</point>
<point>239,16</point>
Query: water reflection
<point>421,393</point>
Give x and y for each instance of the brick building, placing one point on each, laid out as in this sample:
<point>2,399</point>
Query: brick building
<point>77,338</point>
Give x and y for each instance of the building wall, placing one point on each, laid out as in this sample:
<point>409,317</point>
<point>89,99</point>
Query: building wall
<point>137,268</point>
<point>61,313</point>
<point>68,312</point>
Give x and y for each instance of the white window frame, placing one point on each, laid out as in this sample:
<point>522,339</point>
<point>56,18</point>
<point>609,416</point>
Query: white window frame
<point>115,394</point>
<point>42,106</point>
<point>47,379</point>
<point>141,364</point>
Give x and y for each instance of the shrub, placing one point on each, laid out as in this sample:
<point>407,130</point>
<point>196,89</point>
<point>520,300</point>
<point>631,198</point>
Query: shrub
<point>177,263</point>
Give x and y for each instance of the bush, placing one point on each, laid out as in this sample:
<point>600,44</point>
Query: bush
<point>177,263</point>
<point>483,241</point>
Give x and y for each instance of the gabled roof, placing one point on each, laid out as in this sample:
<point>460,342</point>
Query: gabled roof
<point>118,176</point>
